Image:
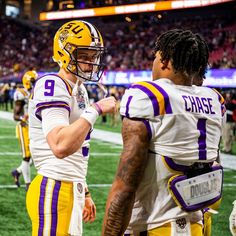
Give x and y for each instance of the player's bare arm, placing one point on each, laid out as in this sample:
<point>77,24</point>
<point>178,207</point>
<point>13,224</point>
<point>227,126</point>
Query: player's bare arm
<point>18,109</point>
<point>66,140</point>
<point>129,174</point>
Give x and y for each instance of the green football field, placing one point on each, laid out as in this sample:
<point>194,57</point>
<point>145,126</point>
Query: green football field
<point>102,166</point>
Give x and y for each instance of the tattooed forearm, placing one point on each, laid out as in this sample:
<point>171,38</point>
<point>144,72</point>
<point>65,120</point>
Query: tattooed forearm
<point>116,213</point>
<point>129,174</point>
<point>134,156</point>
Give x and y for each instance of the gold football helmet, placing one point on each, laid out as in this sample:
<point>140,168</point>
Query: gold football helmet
<point>78,48</point>
<point>29,78</point>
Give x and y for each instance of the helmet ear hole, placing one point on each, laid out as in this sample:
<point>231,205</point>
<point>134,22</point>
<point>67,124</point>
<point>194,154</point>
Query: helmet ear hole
<point>60,53</point>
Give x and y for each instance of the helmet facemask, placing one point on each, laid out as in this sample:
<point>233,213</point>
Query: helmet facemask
<point>86,62</point>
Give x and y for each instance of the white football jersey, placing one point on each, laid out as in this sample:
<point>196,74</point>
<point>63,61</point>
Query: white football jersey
<point>52,91</point>
<point>184,125</point>
<point>22,94</point>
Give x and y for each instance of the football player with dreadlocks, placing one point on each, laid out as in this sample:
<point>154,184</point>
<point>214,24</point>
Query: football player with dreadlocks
<point>171,131</point>
<point>21,99</point>
<point>61,120</point>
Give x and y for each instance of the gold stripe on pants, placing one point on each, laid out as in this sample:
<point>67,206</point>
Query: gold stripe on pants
<point>49,204</point>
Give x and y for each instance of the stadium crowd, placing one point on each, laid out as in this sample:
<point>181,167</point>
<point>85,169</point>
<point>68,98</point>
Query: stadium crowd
<point>129,43</point>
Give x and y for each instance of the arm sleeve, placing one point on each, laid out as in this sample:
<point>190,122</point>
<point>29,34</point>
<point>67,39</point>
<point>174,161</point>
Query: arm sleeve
<point>52,118</point>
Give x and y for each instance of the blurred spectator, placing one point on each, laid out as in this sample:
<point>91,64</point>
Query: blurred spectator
<point>5,95</point>
<point>228,135</point>
<point>129,44</point>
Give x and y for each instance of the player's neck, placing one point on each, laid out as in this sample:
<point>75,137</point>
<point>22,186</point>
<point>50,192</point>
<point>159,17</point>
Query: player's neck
<point>66,75</point>
<point>179,79</point>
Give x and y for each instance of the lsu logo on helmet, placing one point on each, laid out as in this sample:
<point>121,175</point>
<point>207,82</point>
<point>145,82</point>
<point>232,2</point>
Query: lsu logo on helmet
<point>76,38</point>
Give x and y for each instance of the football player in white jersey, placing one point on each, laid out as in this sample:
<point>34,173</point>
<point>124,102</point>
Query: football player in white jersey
<point>171,132</point>
<point>21,99</point>
<point>60,121</point>
<point>232,220</point>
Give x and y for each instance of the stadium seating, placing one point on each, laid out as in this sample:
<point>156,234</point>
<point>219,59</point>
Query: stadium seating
<point>129,44</point>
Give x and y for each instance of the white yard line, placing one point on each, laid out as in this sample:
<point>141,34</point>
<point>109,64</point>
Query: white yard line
<point>7,137</point>
<point>90,185</point>
<point>93,154</point>
<point>7,127</point>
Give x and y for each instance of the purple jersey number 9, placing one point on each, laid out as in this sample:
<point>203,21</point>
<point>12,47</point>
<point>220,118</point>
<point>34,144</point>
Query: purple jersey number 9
<point>49,87</point>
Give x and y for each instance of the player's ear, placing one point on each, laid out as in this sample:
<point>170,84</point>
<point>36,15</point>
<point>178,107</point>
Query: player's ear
<point>165,64</point>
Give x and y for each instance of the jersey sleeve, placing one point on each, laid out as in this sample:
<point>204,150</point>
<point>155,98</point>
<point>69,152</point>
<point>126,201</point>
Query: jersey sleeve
<point>51,92</point>
<point>145,100</point>
<point>138,103</point>
<point>221,101</point>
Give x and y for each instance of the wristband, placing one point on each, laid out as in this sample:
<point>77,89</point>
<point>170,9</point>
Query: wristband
<point>91,115</point>
<point>98,108</point>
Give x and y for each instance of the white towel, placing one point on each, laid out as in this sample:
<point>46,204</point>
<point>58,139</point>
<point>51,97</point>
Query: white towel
<point>76,227</point>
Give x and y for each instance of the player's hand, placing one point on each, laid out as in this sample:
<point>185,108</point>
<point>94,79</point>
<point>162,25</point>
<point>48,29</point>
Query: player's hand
<point>107,105</point>
<point>26,117</point>
<point>232,220</point>
<point>89,211</point>
<point>24,120</point>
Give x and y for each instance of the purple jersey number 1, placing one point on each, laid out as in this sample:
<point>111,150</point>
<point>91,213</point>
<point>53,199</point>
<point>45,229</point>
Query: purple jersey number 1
<point>201,126</point>
<point>49,87</point>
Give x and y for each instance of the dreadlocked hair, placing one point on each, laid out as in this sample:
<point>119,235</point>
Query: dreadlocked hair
<point>188,52</point>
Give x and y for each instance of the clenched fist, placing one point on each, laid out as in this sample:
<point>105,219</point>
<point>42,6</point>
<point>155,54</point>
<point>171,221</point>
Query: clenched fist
<point>106,105</point>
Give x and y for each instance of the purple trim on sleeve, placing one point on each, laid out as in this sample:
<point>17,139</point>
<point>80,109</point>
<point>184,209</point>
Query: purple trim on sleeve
<point>88,136</point>
<point>127,106</point>
<point>152,97</point>
<point>147,124</point>
<point>85,151</point>
<point>41,205</point>
<point>45,105</point>
<point>54,207</point>
<point>168,108</point>
<point>222,102</point>
<point>51,103</point>
<point>201,126</point>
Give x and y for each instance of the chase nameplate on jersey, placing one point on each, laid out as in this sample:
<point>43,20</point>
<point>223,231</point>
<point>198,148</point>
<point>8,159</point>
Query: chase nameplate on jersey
<point>197,192</point>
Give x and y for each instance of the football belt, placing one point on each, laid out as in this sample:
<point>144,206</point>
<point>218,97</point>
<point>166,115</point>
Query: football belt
<point>198,192</point>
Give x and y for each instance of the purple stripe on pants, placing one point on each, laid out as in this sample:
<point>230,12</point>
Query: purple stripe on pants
<point>54,210</point>
<point>41,205</point>
<point>201,126</point>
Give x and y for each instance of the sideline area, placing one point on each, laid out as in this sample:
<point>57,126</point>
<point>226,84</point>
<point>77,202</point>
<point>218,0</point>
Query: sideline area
<point>228,161</point>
